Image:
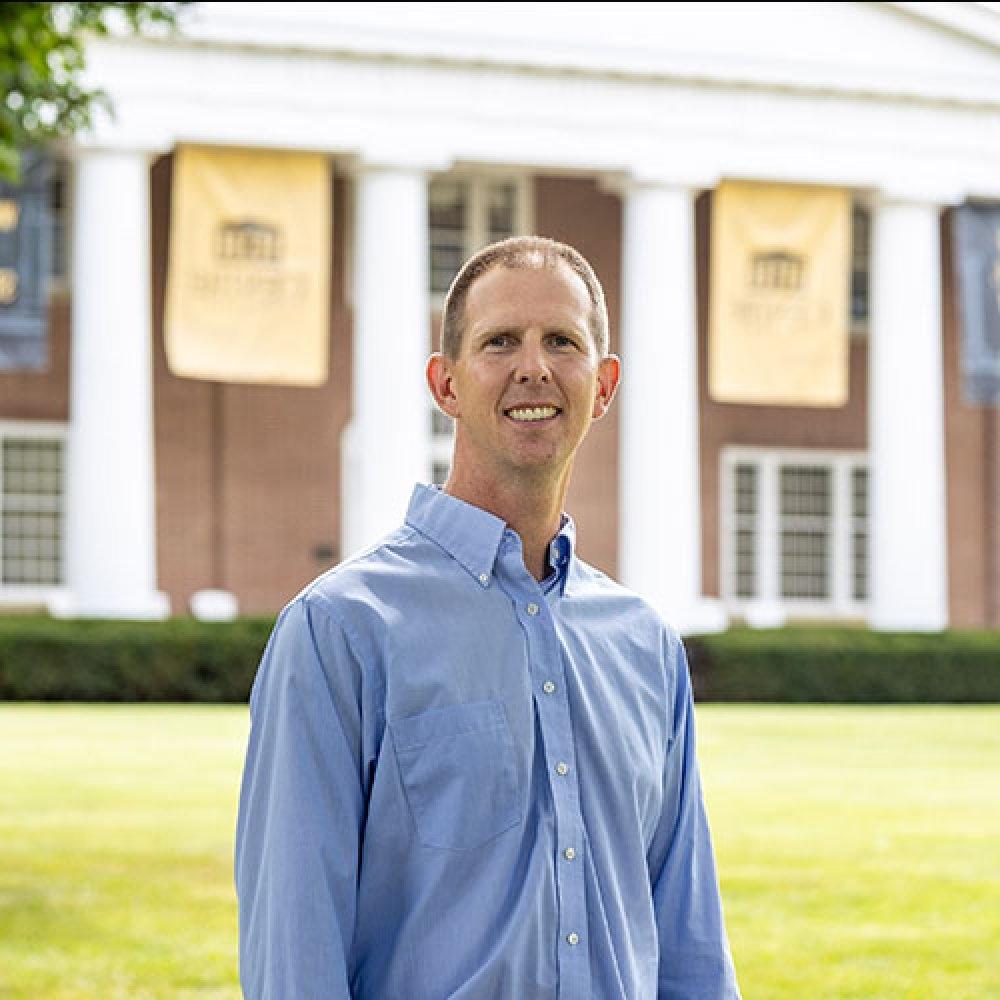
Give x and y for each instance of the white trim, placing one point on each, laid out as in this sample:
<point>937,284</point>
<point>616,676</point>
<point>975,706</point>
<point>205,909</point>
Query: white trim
<point>24,596</point>
<point>768,605</point>
<point>640,47</point>
<point>10,427</point>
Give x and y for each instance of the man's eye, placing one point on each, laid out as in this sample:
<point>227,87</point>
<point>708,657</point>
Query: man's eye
<point>561,340</point>
<point>499,340</point>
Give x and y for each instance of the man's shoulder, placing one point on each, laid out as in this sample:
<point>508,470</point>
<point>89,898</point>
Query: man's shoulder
<point>398,556</point>
<point>617,605</point>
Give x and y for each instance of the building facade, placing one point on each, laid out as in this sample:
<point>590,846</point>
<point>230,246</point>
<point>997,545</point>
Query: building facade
<point>127,491</point>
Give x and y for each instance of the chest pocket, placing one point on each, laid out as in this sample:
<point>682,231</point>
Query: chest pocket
<point>457,767</point>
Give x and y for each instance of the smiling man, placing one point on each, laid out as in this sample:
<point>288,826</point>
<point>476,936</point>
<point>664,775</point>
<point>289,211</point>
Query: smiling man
<point>471,772</point>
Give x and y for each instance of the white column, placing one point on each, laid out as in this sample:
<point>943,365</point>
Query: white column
<point>387,446</point>
<point>110,524</point>
<point>660,491</point>
<point>909,571</point>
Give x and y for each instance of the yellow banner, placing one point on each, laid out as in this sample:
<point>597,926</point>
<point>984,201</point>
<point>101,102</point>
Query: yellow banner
<point>779,311</point>
<point>248,273</point>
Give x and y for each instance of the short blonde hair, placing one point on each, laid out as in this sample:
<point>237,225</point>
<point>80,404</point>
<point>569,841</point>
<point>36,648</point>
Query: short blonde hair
<point>520,253</point>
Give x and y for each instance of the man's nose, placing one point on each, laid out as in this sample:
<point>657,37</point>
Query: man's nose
<point>531,364</point>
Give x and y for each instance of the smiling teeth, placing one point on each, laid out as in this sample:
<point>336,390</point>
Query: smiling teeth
<point>532,412</point>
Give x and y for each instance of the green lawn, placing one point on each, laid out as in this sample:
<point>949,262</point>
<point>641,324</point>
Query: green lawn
<point>859,850</point>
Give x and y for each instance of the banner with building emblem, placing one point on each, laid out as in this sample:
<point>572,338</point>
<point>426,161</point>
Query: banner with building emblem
<point>976,231</point>
<point>249,266</point>
<point>779,314</point>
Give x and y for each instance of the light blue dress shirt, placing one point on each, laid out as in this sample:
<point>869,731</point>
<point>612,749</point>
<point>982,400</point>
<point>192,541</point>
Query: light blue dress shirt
<point>462,784</point>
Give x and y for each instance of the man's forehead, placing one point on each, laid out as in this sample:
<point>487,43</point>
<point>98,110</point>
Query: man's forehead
<point>528,294</point>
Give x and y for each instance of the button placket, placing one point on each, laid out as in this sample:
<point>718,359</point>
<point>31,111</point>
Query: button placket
<point>561,755</point>
<point>547,669</point>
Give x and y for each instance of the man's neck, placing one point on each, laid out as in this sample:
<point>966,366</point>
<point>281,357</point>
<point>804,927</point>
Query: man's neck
<point>532,508</point>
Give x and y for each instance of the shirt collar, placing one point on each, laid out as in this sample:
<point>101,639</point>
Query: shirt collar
<point>472,535</point>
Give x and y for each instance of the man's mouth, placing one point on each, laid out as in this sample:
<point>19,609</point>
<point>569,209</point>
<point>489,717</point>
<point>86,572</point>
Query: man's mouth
<point>527,414</point>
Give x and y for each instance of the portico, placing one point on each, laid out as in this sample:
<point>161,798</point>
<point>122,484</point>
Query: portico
<point>394,114</point>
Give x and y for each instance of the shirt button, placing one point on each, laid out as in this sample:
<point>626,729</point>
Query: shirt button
<point>532,608</point>
<point>484,579</point>
<point>572,938</point>
<point>569,854</point>
<point>562,768</point>
<point>548,687</point>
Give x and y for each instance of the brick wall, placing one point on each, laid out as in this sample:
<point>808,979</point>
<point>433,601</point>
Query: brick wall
<point>247,476</point>
<point>42,395</point>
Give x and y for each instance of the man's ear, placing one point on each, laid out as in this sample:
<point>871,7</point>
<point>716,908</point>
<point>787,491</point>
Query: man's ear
<point>608,373</point>
<point>441,384</point>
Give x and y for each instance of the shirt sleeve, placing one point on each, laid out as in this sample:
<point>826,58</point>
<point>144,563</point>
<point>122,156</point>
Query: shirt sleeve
<point>300,813</point>
<point>695,962</point>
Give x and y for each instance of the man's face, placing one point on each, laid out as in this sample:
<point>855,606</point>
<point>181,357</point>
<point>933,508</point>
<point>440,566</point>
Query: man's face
<point>528,380</point>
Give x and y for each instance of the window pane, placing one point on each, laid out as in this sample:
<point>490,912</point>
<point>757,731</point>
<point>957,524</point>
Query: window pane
<point>440,473</point>
<point>805,509</point>
<point>744,541</point>
<point>859,534</point>
<point>859,493</point>
<point>449,204</point>
<point>58,208</point>
<point>441,423</point>
<point>860,264</point>
<point>31,549</point>
<point>502,211</point>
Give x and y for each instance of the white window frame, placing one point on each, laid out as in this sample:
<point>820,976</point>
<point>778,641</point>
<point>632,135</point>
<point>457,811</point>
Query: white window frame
<point>768,606</point>
<point>16,596</point>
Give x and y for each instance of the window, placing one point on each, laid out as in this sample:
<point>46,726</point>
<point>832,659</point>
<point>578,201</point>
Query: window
<point>805,527</point>
<point>443,429</point>
<point>795,530</point>
<point>861,222</point>
<point>31,508</point>
<point>859,533</point>
<point>744,530</point>
<point>466,213</point>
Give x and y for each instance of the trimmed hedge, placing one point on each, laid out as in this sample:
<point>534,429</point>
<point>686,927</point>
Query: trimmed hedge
<point>181,659</point>
<point>845,665</point>
<point>45,659</point>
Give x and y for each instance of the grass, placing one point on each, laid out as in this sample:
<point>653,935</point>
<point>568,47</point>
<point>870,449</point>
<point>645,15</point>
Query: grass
<point>116,827</point>
<point>859,850</point>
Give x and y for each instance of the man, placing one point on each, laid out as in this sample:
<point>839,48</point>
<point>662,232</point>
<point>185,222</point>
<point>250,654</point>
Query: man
<point>471,772</point>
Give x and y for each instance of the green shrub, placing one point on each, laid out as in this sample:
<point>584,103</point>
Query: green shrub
<point>845,665</point>
<point>45,659</point>
<point>182,659</point>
